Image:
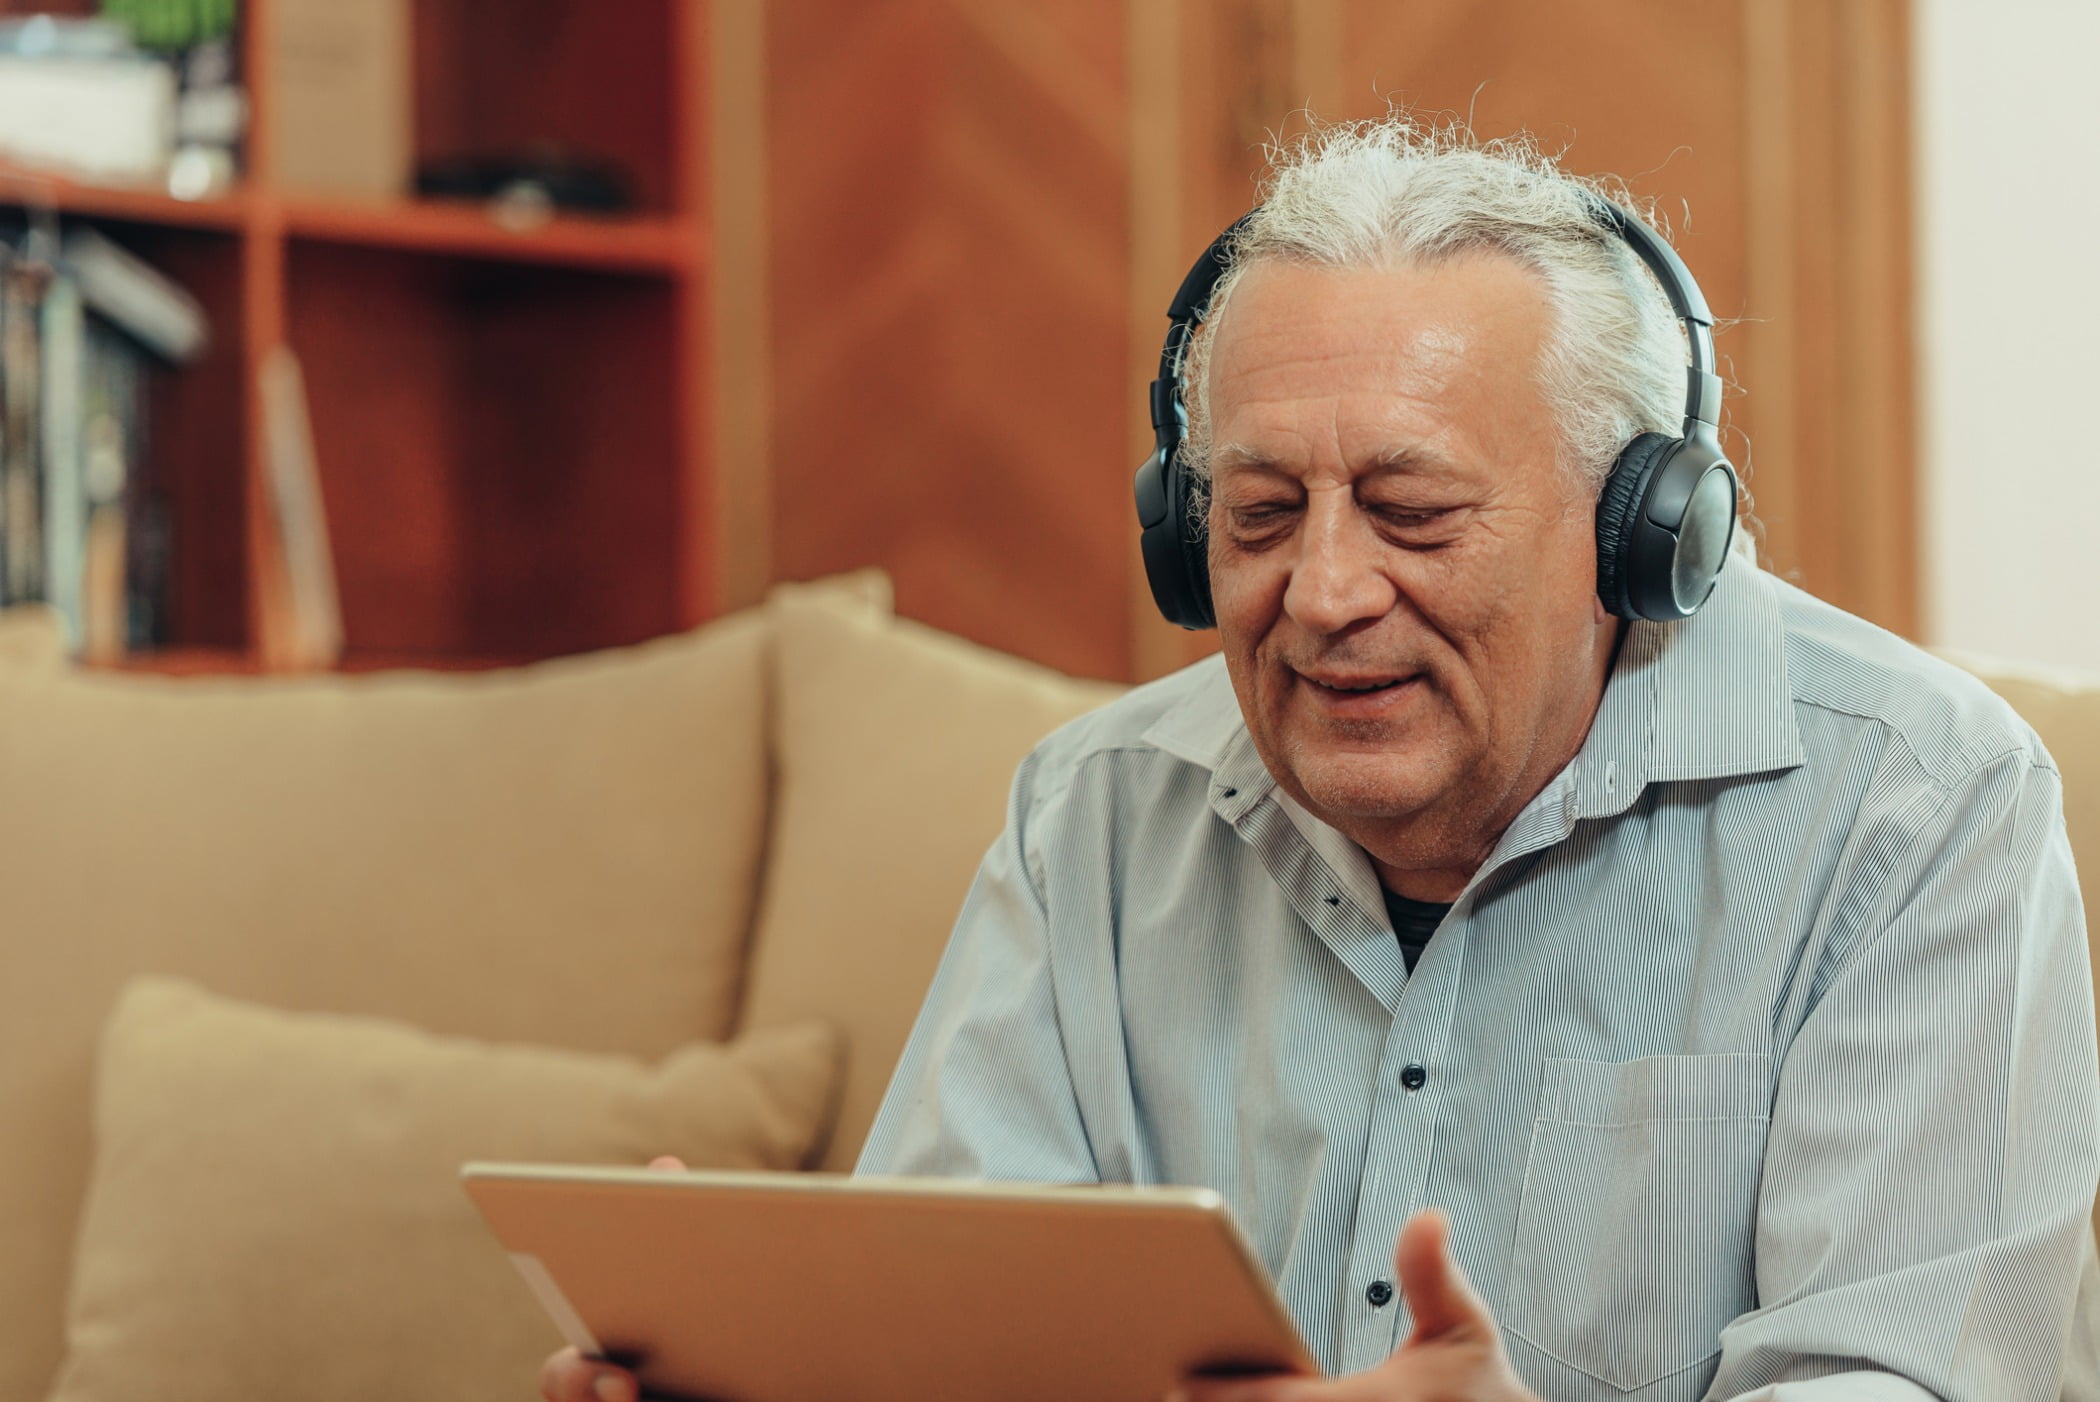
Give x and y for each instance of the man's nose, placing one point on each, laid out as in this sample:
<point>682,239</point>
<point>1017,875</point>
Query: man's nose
<point>1338,578</point>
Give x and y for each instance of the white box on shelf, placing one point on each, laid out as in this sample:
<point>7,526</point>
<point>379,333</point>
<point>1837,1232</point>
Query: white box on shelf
<point>104,119</point>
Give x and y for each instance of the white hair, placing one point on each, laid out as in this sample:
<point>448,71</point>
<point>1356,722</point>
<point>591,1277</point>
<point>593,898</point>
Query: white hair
<point>1392,192</point>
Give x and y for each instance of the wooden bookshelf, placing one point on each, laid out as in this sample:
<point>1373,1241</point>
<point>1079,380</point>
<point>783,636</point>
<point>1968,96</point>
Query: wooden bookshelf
<point>510,417</point>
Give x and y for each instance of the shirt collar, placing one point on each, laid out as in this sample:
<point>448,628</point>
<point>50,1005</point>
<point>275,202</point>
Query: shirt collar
<point>1206,722</point>
<point>1705,698</point>
<point>1207,729</point>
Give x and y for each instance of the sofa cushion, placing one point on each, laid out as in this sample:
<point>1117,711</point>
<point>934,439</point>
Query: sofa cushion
<point>894,747</point>
<point>562,853</point>
<point>31,636</point>
<point>275,1208</point>
<point>2064,709</point>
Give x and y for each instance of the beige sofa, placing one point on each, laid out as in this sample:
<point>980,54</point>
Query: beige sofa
<point>771,819</point>
<point>570,871</point>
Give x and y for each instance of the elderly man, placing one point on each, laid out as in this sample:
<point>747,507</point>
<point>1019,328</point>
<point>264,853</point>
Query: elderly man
<point>1701,1005</point>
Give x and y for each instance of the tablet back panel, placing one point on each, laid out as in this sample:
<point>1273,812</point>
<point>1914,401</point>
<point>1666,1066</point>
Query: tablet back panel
<point>805,1288</point>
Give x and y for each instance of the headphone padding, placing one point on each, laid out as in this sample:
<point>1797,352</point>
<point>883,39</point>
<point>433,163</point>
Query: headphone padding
<point>1618,508</point>
<point>1186,502</point>
<point>1171,543</point>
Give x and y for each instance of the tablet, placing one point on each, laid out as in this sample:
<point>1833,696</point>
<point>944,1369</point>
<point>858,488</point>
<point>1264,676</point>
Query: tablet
<point>803,1287</point>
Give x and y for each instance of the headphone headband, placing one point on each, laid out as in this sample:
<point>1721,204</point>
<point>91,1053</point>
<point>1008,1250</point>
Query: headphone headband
<point>1702,399</point>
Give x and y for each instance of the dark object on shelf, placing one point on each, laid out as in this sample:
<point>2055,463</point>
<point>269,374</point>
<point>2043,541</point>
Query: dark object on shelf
<point>562,181</point>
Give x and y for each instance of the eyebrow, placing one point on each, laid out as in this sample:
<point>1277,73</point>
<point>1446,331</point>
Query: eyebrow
<point>1237,457</point>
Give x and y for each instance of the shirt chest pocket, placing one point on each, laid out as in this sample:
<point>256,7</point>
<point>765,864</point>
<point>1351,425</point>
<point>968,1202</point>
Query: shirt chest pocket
<point>1633,1240</point>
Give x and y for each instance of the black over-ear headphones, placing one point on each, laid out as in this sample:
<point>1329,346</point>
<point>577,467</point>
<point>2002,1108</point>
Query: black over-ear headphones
<point>1664,520</point>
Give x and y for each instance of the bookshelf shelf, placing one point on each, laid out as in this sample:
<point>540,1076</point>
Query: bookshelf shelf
<point>644,244</point>
<point>509,424</point>
<point>33,189</point>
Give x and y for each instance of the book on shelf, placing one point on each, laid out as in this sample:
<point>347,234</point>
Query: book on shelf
<point>63,320</point>
<point>131,293</point>
<point>82,526</point>
<point>341,117</point>
<point>305,617</point>
<point>23,277</point>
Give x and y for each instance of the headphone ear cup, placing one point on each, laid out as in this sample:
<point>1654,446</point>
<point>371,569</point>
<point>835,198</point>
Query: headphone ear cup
<point>1191,501</point>
<point>1618,517</point>
<point>1177,559</point>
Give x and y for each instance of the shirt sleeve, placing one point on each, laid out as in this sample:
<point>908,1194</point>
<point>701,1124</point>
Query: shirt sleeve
<point>1925,1206</point>
<point>984,1089</point>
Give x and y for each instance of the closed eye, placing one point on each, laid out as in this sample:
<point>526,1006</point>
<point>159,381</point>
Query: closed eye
<point>1426,528</point>
<point>1257,519</point>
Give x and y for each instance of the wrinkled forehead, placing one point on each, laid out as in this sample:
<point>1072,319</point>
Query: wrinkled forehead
<point>1440,295</point>
<point>1416,365</point>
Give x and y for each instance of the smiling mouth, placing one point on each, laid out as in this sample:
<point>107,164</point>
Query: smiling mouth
<point>1362,688</point>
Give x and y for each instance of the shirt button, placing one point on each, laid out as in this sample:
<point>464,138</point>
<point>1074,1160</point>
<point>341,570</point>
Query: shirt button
<point>1413,1076</point>
<point>1379,1293</point>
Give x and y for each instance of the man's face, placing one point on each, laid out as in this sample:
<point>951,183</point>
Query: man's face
<point>1403,574</point>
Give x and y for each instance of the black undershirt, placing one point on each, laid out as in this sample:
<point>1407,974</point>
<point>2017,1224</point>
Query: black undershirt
<point>1414,922</point>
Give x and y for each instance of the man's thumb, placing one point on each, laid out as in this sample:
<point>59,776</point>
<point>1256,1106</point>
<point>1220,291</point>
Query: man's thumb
<point>1437,1292</point>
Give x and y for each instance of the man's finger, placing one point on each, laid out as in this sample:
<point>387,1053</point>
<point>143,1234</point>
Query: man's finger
<point>1273,1388</point>
<point>570,1377</point>
<point>1438,1295</point>
<point>668,1163</point>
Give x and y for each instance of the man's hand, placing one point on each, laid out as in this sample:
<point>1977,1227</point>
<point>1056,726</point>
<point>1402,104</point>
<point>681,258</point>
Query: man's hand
<point>568,1376</point>
<point>1454,1353</point>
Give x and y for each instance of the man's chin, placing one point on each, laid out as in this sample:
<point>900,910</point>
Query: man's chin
<point>1376,789</point>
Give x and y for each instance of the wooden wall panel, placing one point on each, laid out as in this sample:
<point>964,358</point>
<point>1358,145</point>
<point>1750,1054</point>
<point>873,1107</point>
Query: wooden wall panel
<point>1830,346</point>
<point>738,571</point>
<point>938,164</point>
<point>1159,255</point>
<point>1772,136</point>
<point>949,251</point>
<point>1642,89</point>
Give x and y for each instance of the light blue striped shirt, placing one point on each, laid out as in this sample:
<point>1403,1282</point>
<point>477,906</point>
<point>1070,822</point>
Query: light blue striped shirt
<point>1757,1061</point>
